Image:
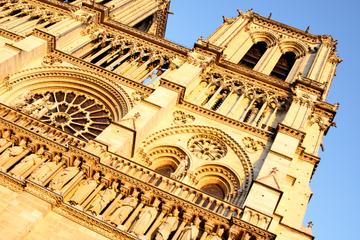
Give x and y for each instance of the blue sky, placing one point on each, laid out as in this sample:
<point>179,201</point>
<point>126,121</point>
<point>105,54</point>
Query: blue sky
<point>334,207</point>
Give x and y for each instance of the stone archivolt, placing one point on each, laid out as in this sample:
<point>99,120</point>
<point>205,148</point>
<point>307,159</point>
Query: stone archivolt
<point>92,193</point>
<point>221,145</point>
<point>111,94</point>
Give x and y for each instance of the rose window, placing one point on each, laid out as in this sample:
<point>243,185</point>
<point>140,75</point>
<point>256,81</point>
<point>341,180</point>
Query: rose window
<point>207,147</point>
<point>75,113</point>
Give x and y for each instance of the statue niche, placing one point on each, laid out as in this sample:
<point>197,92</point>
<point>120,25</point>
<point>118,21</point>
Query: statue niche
<point>103,199</point>
<point>13,154</point>
<point>42,174</point>
<point>84,189</point>
<point>124,208</point>
<point>24,168</point>
<point>191,230</point>
<point>64,177</point>
<point>145,218</point>
<point>168,226</point>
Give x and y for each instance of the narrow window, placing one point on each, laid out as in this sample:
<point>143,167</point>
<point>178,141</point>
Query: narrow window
<point>254,54</point>
<point>284,65</point>
<point>145,24</point>
<point>165,170</point>
<point>214,190</point>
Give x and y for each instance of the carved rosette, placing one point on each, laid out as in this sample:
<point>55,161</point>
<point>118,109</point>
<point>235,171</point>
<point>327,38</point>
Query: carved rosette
<point>207,147</point>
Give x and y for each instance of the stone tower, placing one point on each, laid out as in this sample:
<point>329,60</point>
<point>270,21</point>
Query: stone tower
<point>109,131</point>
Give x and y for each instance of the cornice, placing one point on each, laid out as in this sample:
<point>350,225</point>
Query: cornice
<point>9,35</point>
<point>174,87</point>
<point>282,128</point>
<point>254,229</point>
<point>309,86</point>
<point>286,29</point>
<point>226,120</point>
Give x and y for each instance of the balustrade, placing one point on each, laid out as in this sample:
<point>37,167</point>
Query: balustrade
<point>120,199</point>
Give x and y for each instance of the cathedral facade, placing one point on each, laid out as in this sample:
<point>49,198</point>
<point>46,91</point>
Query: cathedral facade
<point>109,131</point>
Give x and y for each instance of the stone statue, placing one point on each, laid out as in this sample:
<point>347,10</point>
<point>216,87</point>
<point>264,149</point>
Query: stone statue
<point>37,104</point>
<point>168,226</point>
<point>13,153</point>
<point>181,169</point>
<point>28,162</point>
<point>217,235</point>
<point>103,199</point>
<point>247,236</point>
<point>190,231</point>
<point>61,179</point>
<point>145,218</point>
<point>23,100</point>
<point>5,140</point>
<point>40,112</point>
<point>85,188</point>
<point>125,207</point>
<point>46,169</point>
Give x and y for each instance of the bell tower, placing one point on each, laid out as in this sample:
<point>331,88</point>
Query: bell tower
<point>109,131</point>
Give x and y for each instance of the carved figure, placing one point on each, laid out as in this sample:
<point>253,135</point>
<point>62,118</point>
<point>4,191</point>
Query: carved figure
<point>12,154</point>
<point>43,172</point>
<point>190,231</point>
<point>40,112</point>
<point>217,235</point>
<point>124,209</point>
<point>247,236</point>
<point>103,199</point>
<point>38,104</point>
<point>168,226</point>
<point>23,100</point>
<point>145,218</point>
<point>64,176</point>
<point>85,188</point>
<point>5,140</point>
<point>28,162</point>
<point>181,169</point>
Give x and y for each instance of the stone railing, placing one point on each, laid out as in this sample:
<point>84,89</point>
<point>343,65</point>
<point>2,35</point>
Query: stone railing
<point>123,200</point>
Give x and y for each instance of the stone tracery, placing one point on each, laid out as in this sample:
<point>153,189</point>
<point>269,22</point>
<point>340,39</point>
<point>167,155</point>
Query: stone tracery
<point>207,147</point>
<point>26,17</point>
<point>71,111</point>
<point>239,99</point>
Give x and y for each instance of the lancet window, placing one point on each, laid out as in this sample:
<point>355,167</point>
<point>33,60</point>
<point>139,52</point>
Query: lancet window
<point>239,101</point>
<point>22,18</point>
<point>145,24</point>
<point>284,65</point>
<point>133,61</point>
<point>214,190</point>
<point>253,55</point>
